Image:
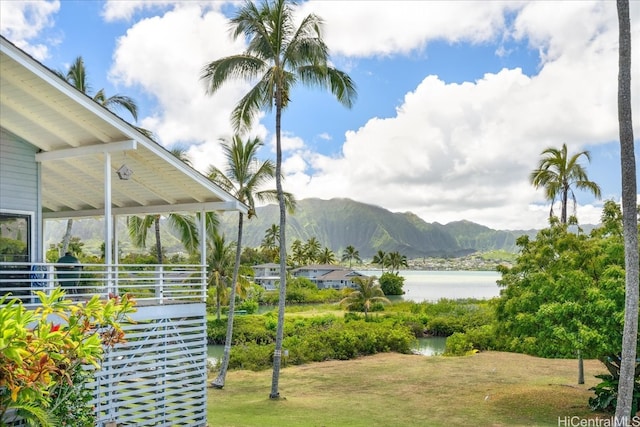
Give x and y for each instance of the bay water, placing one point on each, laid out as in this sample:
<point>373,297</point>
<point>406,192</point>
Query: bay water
<point>432,286</point>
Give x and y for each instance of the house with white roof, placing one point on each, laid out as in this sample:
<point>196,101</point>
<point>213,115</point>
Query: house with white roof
<point>328,276</point>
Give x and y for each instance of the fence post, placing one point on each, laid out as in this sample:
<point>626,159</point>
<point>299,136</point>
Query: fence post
<point>160,285</point>
<point>203,283</point>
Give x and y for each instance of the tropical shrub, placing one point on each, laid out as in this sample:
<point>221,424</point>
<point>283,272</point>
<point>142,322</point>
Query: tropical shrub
<point>42,353</point>
<point>448,317</point>
<point>458,345</point>
<point>482,337</point>
<point>302,295</point>
<point>317,339</point>
<point>606,392</point>
<point>250,306</point>
<point>251,356</point>
<point>246,329</point>
<point>391,283</point>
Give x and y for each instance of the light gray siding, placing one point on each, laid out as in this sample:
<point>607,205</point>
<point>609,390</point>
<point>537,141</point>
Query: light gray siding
<point>18,174</point>
<point>19,185</point>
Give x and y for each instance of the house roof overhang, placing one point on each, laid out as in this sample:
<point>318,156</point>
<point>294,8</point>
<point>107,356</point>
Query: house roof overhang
<point>75,135</point>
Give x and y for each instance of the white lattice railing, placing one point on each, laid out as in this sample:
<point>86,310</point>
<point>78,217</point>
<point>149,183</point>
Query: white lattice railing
<point>158,377</point>
<point>149,284</point>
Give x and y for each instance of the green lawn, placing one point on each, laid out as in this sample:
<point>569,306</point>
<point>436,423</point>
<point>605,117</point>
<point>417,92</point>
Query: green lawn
<point>487,389</point>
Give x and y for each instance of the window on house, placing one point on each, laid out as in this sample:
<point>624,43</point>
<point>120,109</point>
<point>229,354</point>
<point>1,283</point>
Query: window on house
<point>15,238</point>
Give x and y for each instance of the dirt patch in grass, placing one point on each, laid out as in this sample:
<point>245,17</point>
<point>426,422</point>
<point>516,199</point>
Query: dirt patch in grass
<point>487,389</point>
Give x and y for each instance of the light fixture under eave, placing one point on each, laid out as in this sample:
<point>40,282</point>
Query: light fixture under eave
<point>124,173</point>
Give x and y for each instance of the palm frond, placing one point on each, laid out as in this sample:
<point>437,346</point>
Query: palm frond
<point>117,102</point>
<point>181,153</point>
<point>77,76</point>
<point>187,231</point>
<point>249,106</point>
<point>241,67</point>
<point>138,228</point>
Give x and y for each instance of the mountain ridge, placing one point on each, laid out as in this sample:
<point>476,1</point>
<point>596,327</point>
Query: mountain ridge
<point>338,223</point>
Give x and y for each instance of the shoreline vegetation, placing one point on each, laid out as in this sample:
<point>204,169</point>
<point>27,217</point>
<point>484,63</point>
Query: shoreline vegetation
<point>485,261</point>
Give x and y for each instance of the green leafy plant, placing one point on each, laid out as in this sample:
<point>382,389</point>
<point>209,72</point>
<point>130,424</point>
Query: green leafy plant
<point>458,344</point>
<point>606,392</point>
<point>391,283</point>
<point>43,353</point>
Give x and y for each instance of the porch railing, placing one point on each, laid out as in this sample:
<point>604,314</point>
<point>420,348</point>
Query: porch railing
<point>149,284</point>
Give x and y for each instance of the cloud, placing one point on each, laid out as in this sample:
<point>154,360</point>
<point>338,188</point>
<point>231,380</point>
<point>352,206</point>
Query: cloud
<point>23,21</point>
<point>164,56</point>
<point>461,151</point>
<point>288,142</point>
<point>406,26</point>
<point>118,10</point>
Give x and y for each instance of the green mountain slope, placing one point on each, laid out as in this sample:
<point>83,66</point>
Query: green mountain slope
<point>470,235</point>
<point>337,223</point>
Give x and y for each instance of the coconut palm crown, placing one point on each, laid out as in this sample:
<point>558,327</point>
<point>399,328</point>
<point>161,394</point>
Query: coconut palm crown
<point>558,173</point>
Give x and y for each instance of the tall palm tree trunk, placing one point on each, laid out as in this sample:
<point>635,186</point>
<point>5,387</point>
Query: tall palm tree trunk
<point>277,354</point>
<point>158,243</point>
<point>629,219</point>
<point>67,236</point>
<point>565,202</point>
<point>219,381</point>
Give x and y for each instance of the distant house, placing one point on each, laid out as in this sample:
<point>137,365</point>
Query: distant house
<point>327,276</point>
<point>267,275</point>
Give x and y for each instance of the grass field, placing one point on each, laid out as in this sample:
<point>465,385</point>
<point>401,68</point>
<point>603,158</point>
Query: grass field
<point>486,389</point>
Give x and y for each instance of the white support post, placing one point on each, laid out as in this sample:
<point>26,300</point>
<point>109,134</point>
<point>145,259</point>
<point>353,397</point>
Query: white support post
<point>108,234</point>
<point>203,254</point>
<point>51,279</point>
<point>116,257</point>
<point>108,219</point>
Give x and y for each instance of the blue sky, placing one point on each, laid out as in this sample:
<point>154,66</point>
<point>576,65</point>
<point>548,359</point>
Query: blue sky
<point>456,100</point>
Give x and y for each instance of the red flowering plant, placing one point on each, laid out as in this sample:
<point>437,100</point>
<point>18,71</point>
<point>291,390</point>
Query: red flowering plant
<point>44,354</point>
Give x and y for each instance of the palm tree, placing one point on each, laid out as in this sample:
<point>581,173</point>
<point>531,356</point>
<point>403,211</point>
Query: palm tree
<point>629,218</point>
<point>278,56</point>
<point>220,265</point>
<point>271,242</point>
<point>395,261</point>
<point>244,178</point>
<point>76,75</point>
<point>312,250</point>
<point>298,254</point>
<point>350,254</point>
<point>558,174</point>
<point>138,227</point>
<point>380,259</point>
<point>367,293</point>
<point>327,256</point>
